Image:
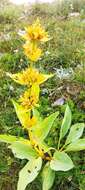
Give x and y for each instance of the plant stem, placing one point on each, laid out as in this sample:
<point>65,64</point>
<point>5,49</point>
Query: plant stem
<point>58,143</point>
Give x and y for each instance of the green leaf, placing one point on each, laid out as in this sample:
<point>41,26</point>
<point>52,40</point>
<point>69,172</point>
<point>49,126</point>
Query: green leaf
<point>21,147</point>
<point>66,122</point>
<point>23,116</point>
<point>23,150</point>
<point>48,176</point>
<point>42,130</point>
<point>76,132</point>
<point>9,138</point>
<point>61,162</point>
<point>29,173</point>
<point>76,146</point>
<point>36,114</point>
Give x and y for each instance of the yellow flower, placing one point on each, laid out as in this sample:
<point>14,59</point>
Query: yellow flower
<point>36,32</point>
<point>32,51</point>
<point>32,121</point>
<point>24,116</point>
<point>29,77</point>
<point>30,97</point>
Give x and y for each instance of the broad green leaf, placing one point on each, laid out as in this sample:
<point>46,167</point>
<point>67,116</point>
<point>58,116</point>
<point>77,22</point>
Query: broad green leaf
<point>23,150</point>
<point>75,133</point>
<point>61,162</point>
<point>48,176</point>
<point>66,122</point>
<point>29,173</point>
<point>41,131</point>
<point>23,116</point>
<point>9,138</point>
<point>20,147</point>
<point>76,146</point>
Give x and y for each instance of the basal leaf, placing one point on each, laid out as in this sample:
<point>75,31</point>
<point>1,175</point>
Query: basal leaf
<point>76,146</point>
<point>75,133</point>
<point>48,176</point>
<point>29,173</point>
<point>9,138</point>
<point>66,122</point>
<point>61,162</point>
<point>23,116</point>
<point>42,130</point>
<point>23,150</point>
<point>20,147</point>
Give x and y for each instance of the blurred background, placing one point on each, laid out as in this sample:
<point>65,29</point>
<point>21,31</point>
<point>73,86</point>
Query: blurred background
<point>63,55</point>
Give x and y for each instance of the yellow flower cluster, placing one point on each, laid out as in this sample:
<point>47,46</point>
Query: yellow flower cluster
<point>30,122</point>
<point>30,97</point>
<point>33,36</point>
<point>32,51</point>
<point>36,32</point>
<point>31,77</point>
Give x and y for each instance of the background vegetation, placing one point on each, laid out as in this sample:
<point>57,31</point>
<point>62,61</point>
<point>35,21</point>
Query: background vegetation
<point>64,55</point>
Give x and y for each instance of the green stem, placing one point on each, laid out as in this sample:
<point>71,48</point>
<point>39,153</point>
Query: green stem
<point>58,143</point>
<point>31,64</point>
<point>62,147</point>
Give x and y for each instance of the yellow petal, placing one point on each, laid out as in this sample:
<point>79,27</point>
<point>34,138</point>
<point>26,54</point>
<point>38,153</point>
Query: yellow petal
<point>36,32</point>
<point>30,97</point>
<point>29,77</point>
<point>42,78</point>
<point>32,51</point>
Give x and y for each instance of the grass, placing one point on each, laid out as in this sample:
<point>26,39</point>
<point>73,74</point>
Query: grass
<point>66,50</point>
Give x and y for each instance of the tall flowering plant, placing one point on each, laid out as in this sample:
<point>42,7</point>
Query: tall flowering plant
<point>34,149</point>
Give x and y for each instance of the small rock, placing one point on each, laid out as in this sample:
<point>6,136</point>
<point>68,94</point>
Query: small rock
<point>58,102</point>
<point>11,88</point>
<point>44,91</point>
<point>21,32</point>
<point>75,14</point>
